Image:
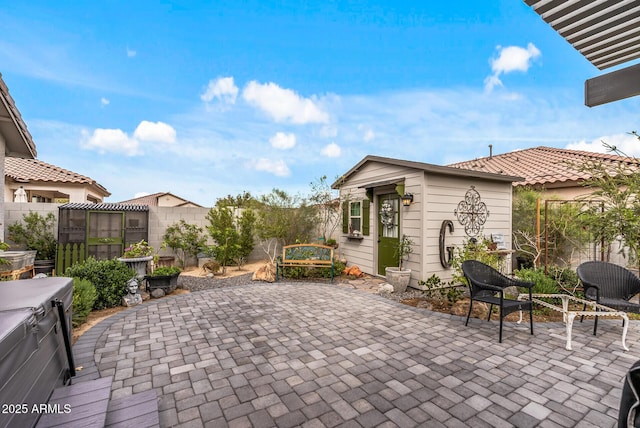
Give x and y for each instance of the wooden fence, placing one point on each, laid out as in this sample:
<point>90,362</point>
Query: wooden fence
<point>68,255</point>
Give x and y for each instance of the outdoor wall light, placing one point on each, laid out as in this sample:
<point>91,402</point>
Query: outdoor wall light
<point>407,199</point>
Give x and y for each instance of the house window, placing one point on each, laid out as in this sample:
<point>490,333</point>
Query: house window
<point>355,217</point>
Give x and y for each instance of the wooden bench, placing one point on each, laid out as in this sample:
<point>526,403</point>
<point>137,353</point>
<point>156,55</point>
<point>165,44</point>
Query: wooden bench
<point>305,255</point>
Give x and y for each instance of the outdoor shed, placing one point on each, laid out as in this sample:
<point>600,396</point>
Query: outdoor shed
<point>103,230</point>
<point>439,207</point>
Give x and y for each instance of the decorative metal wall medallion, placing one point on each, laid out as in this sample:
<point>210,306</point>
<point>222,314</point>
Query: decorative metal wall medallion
<point>472,213</point>
<point>386,214</point>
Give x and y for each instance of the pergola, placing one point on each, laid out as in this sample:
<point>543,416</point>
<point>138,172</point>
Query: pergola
<point>605,32</point>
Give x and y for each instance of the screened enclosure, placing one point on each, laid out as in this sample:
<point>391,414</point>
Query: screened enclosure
<point>102,230</point>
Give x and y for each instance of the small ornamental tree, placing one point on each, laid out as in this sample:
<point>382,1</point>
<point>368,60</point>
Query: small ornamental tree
<point>186,240</point>
<point>617,187</point>
<point>327,207</point>
<point>35,232</point>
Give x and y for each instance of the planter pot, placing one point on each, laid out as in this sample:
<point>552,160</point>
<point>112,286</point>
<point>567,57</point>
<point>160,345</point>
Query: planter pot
<point>398,278</point>
<point>168,283</point>
<point>138,264</point>
<point>44,266</point>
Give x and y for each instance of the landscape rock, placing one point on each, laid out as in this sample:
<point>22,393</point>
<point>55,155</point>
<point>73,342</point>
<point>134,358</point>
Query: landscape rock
<point>158,293</point>
<point>385,288</point>
<point>461,308</point>
<point>266,273</point>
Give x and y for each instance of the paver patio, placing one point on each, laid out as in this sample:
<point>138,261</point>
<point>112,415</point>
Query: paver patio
<point>314,355</point>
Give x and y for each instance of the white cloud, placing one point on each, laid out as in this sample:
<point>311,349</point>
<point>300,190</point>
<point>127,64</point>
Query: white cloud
<point>111,140</point>
<point>223,89</point>
<point>275,167</point>
<point>332,150</point>
<point>625,143</point>
<point>510,58</point>
<point>104,101</point>
<point>328,131</point>
<point>157,132</point>
<point>283,105</point>
<point>131,53</point>
<point>368,133</point>
<point>283,141</point>
<point>141,194</point>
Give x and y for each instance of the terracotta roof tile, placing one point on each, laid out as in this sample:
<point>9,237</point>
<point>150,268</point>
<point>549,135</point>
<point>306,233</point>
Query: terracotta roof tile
<point>541,165</point>
<point>25,170</point>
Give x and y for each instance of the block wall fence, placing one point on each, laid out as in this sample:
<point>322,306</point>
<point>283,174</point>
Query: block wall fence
<point>159,219</point>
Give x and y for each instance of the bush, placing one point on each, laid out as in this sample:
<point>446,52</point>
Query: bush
<point>166,271</point>
<point>544,284</point>
<point>108,276</point>
<point>84,296</point>
<point>35,232</point>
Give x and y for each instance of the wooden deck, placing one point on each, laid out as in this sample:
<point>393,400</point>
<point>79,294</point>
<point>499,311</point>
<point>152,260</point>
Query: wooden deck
<point>87,404</point>
<point>80,405</point>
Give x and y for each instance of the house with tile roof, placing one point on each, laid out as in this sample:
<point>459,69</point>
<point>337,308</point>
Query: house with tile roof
<point>15,139</point>
<point>546,169</point>
<point>161,199</point>
<point>43,182</point>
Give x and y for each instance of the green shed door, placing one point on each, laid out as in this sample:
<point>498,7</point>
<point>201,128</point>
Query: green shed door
<point>388,230</point>
<point>105,234</point>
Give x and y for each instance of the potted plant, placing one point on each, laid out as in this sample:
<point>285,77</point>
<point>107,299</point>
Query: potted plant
<point>332,243</point>
<point>397,276</point>
<point>137,256</point>
<point>165,277</point>
<point>35,233</point>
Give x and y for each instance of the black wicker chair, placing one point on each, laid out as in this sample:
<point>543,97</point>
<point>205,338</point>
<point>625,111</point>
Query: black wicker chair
<point>487,285</point>
<point>610,285</point>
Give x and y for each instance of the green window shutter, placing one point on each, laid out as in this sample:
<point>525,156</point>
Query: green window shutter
<point>345,216</point>
<point>365,216</point>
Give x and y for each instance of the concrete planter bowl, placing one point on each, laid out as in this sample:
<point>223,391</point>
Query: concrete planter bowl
<point>398,278</point>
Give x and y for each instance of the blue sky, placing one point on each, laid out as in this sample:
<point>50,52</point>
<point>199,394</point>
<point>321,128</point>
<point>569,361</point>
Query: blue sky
<point>206,99</point>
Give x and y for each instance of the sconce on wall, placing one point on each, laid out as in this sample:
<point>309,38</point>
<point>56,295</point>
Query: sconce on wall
<point>407,199</point>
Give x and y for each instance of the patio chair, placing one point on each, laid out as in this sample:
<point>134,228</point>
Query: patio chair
<point>487,285</point>
<point>609,285</point>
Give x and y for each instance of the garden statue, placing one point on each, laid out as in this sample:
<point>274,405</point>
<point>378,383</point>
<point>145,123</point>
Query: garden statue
<point>133,297</point>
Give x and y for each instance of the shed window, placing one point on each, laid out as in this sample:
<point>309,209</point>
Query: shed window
<point>355,217</point>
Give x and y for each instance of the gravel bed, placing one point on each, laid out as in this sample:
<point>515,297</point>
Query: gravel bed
<point>197,283</point>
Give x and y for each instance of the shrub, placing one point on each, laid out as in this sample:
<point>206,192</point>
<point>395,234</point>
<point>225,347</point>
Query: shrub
<point>185,239</point>
<point>544,284</point>
<point>84,296</point>
<point>35,232</point>
<point>108,276</point>
<point>166,271</point>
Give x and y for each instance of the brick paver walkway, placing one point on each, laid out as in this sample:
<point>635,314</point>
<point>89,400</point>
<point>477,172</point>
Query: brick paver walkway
<point>316,355</point>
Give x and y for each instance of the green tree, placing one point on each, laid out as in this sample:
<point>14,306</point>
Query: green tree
<point>246,237</point>
<point>35,232</point>
<point>616,186</point>
<point>288,219</point>
<point>326,203</point>
<point>223,231</point>
<point>185,239</point>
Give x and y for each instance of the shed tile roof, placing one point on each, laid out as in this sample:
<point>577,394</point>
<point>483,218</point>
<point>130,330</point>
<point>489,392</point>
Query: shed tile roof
<point>25,170</point>
<point>542,165</point>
